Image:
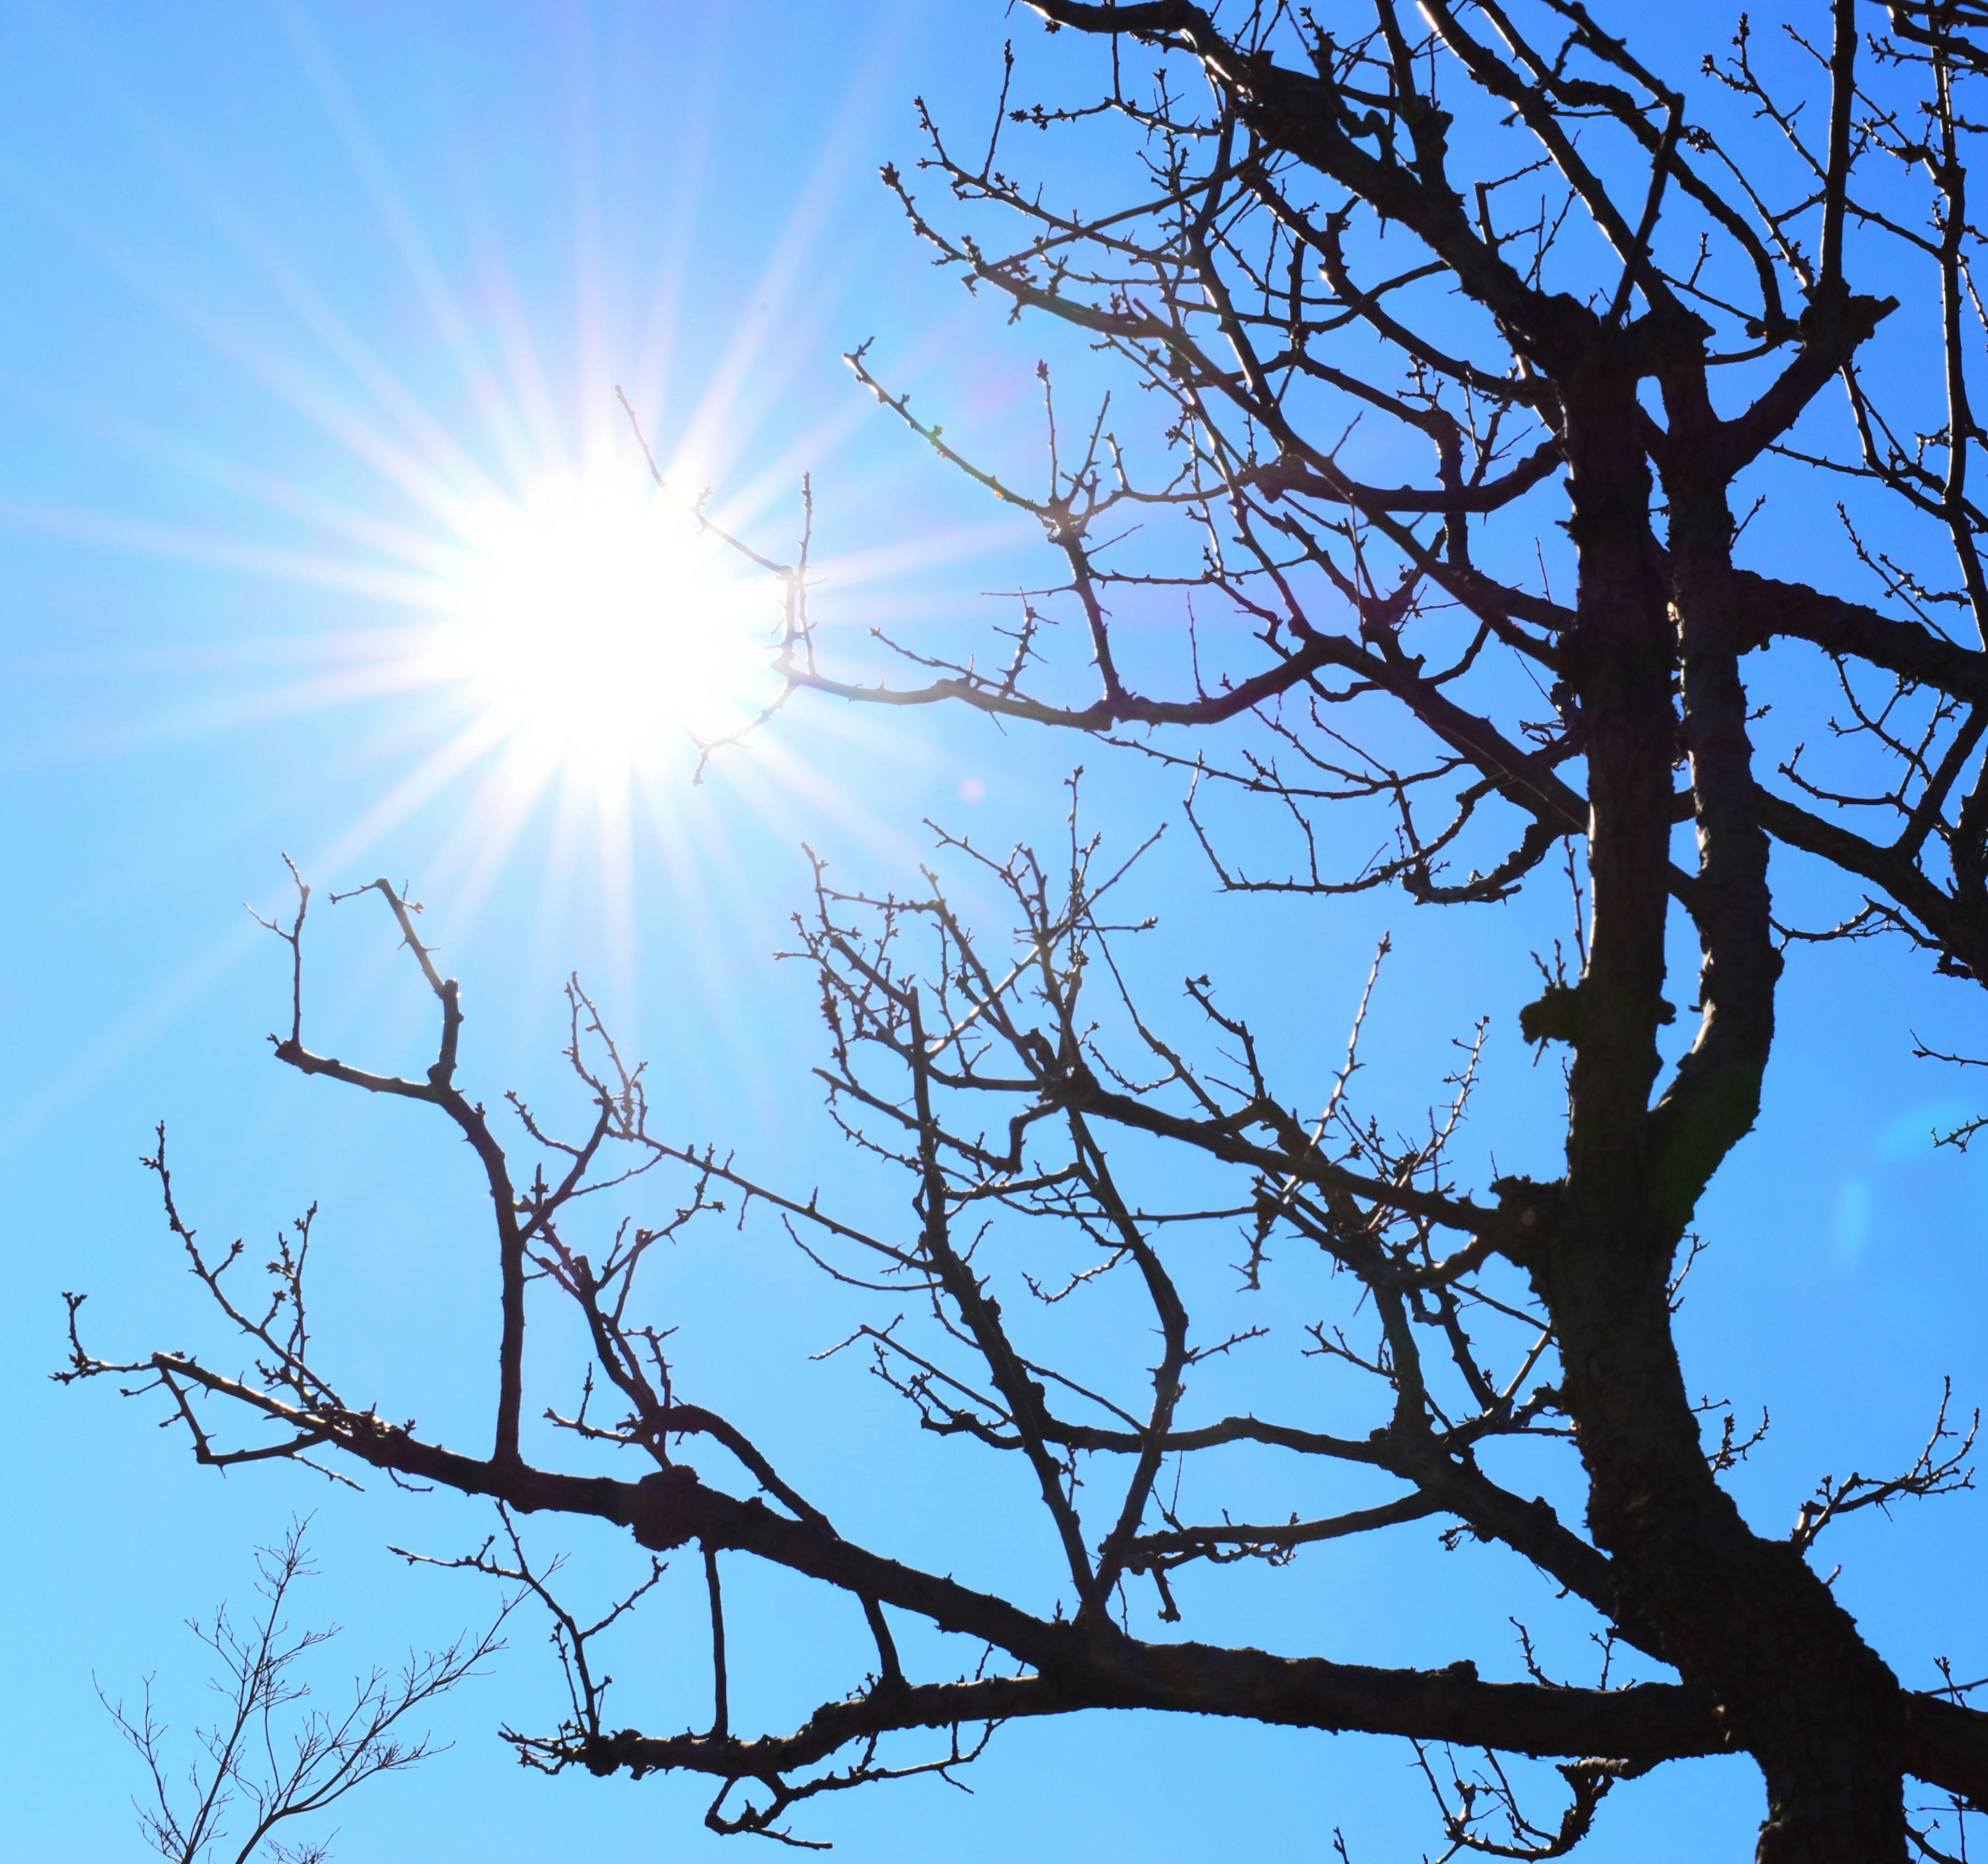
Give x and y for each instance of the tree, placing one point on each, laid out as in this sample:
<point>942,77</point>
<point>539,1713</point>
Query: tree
<point>267,1755</point>
<point>1497,234</point>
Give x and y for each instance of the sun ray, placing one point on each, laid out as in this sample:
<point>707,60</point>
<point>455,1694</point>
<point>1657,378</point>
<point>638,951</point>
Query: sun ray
<point>386,812</point>
<point>451,321</point>
<point>319,569</point>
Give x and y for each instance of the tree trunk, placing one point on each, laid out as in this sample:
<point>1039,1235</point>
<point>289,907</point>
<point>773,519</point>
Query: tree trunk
<point>1796,1684</point>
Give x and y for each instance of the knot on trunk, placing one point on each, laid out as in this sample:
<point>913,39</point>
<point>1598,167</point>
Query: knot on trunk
<point>664,1507</point>
<point>1554,1015</point>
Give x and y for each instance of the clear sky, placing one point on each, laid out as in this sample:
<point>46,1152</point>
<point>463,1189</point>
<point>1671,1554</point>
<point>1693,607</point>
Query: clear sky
<point>311,321</point>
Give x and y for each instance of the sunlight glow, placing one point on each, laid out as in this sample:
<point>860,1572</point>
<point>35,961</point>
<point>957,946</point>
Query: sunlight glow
<point>596,631</point>
<point>526,640</point>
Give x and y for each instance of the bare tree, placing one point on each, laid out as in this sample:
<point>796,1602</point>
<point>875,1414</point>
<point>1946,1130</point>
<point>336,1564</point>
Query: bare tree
<point>271,1756</point>
<point>1496,236</point>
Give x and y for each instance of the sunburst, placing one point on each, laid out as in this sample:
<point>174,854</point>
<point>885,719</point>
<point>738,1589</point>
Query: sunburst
<point>594,630</point>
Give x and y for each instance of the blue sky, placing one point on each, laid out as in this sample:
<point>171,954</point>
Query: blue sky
<point>284,288</point>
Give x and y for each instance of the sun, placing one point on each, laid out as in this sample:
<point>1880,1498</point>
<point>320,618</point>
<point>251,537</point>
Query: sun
<point>596,631</point>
